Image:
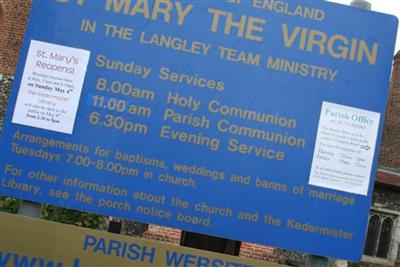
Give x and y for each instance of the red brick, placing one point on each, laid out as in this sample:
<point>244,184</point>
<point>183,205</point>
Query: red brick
<point>12,33</point>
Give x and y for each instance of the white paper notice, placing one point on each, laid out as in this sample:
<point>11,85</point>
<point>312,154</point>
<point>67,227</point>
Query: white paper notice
<point>51,86</point>
<point>344,148</point>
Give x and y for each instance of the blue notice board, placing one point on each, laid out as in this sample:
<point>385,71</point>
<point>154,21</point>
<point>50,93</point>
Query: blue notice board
<point>256,120</point>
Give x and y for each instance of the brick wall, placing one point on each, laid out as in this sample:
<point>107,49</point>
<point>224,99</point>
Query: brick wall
<point>393,109</point>
<point>12,33</point>
<point>390,149</point>
<point>247,250</point>
<point>388,178</point>
<point>258,252</point>
<point>163,234</point>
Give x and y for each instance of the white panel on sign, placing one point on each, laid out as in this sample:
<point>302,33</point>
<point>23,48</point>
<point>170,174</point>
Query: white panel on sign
<point>344,148</point>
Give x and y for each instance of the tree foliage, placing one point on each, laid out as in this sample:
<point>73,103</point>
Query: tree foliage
<point>8,204</point>
<point>61,215</point>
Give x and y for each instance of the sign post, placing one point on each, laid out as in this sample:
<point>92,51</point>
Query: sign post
<point>31,209</point>
<point>208,117</point>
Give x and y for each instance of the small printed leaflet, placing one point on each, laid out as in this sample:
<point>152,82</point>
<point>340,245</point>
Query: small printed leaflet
<point>344,148</point>
<point>51,86</point>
